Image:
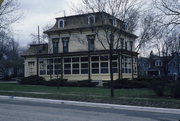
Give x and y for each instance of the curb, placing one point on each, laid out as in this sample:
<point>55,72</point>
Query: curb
<point>95,105</point>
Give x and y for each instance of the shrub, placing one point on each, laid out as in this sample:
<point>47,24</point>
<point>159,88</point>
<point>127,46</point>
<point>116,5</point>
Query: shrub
<point>158,85</point>
<point>32,80</point>
<point>6,78</point>
<point>64,82</point>
<point>125,83</point>
<point>87,83</point>
<point>56,82</point>
<point>175,89</point>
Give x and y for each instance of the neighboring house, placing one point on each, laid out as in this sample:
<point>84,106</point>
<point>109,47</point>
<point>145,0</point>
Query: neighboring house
<point>156,66</point>
<point>75,52</point>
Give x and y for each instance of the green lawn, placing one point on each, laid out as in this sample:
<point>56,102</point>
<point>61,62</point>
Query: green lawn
<point>82,91</point>
<point>144,97</point>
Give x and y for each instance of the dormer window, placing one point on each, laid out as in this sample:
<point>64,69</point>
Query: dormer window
<point>61,23</point>
<point>91,19</point>
<point>158,63</point>
<point>113,21</point>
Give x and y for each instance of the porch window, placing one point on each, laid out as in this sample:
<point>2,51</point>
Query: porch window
<point>31,66</point>
<point>67,65</point>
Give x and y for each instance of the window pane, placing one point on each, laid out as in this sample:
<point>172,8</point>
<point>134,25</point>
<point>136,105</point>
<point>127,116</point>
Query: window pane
<point>75,65</point>
<point>104,70</point>
<point>115,70</point>
<point>84,65</point>
<point>57,66</point>
<point>49,66</point>
<point>42,72</point>
<point>67,60</point>
<point>114,57</point>
<point>95,58</point>
<point>57,71</point>
<point>83,59</point>
<point>104,64</point>
<point>84,71</point>
<point>49,72</point>
<point>103,58</point>
<point>67,71</point>
<point>95,71</point>
<point>50,61</point>
<point>114,64</point>
<point>67,66</point>
<point>75,59</point>
<point>75,71</point>
<point>95,65</point>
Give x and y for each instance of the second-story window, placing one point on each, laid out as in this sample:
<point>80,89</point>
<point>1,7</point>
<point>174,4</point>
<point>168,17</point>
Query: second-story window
<point>61,23</point>
<point>65,42</point>
<point>126,45</point>
<point>55,43</point>
<point>158,63</point>
<point>122,43</point>
<point>131,46</point>
<point>91,42</point>
<point>91,19</point>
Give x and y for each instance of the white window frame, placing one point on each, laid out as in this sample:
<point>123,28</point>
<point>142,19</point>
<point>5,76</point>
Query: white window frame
<point>89,19</point>
<point>59,23</point>
<point>114,22</point>
<point>31,66</point>
<point>158,63</point>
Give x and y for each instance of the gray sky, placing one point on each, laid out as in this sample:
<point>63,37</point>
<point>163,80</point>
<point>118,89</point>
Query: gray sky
<point>38,12</point>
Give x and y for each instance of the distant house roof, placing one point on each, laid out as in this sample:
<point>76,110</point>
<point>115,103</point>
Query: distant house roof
<point>36,49</point>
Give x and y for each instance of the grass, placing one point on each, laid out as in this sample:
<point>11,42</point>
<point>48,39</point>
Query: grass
<point>143,97</point>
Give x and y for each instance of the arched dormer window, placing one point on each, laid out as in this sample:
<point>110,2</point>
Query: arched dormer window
<point>91,19</point>
<point>61,23</point>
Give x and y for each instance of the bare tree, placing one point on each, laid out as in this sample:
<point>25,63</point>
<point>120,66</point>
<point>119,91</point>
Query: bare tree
<point>9,13</point>
<point>168,11</point>
<point>9,54</point>
<point>125,10</point>
<point>41,37</point>
<point>109,36</point>
<point>148,30</point>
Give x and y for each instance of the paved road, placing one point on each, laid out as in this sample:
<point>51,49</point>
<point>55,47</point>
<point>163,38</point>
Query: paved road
<point>11,110</point>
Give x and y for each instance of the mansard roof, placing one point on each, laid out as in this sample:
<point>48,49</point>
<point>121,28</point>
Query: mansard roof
<point>80,23</point>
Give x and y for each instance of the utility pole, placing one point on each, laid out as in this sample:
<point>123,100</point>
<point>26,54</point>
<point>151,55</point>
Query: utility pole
<point>111,69</point>
<point>38,36</point>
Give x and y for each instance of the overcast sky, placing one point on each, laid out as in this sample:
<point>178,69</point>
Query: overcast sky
<point>38,12</point>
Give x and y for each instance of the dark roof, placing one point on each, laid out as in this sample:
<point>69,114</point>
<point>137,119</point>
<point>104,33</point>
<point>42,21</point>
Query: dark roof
<point>86,26</point>
<point>84,14</point>
<point>37,49</point>
<point>80,53</point>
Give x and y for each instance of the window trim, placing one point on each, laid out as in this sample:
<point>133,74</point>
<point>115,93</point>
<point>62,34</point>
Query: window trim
<point>61,20</point>
<point>89,19</point>
<point>31,66</point>
<point>65,49</point>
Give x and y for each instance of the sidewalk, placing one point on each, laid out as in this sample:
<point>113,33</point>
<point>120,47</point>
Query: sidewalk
<point>96,105</point>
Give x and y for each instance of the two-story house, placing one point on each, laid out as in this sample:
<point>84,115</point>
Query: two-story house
<point>78,49</point>
<point>159,66</point>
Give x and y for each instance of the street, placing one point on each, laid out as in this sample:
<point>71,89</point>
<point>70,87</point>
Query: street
<point>13,110</point>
